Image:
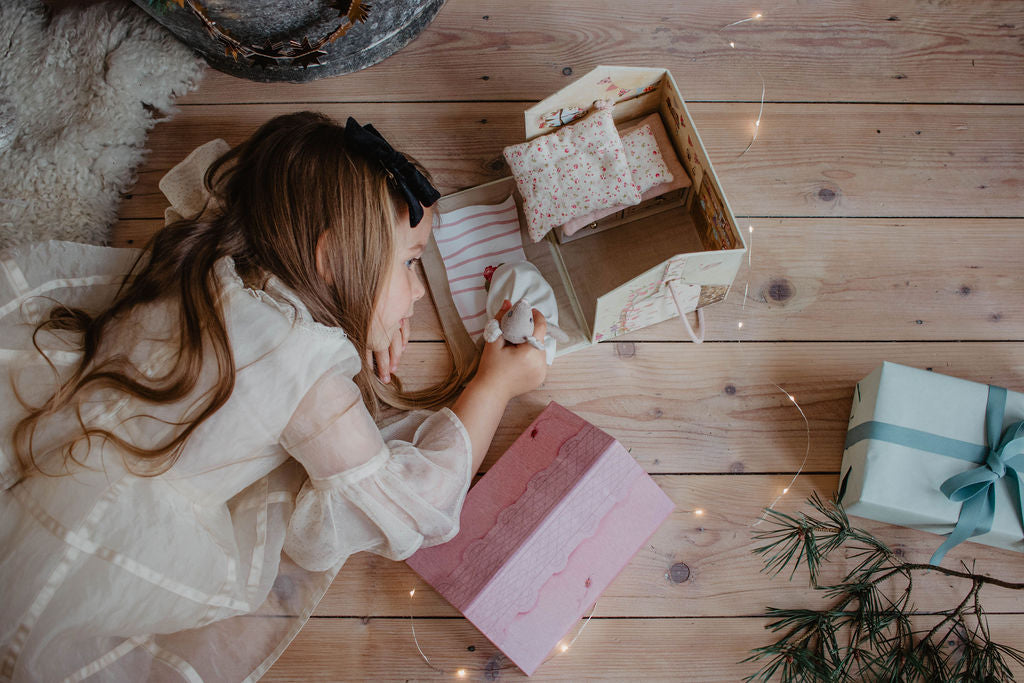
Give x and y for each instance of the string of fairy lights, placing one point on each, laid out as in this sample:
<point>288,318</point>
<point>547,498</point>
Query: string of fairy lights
<point>732,44</point>
<point>757,16</point>
<point>791,397</point>
<point>563,647</point>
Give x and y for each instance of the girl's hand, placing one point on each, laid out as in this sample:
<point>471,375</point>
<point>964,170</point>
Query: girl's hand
<point>511,370</point>
<point>387,361</point>
<point>504,371</point>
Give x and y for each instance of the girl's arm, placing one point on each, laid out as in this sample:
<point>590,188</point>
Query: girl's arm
<point>505,371</point>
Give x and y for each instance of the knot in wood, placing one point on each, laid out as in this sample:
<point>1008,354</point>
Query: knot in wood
<point>625,349</point>
<point>678,572</point>
<point>492,670</point>
<point>779,290</point>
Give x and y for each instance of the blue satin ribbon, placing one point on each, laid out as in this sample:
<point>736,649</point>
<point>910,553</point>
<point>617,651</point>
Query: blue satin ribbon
<point>974,489</point>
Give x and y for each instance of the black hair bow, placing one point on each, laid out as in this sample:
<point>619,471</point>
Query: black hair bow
<point>406,178</point>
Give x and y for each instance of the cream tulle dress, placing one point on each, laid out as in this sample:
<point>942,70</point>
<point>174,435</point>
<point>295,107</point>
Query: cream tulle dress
<point>208,571</point>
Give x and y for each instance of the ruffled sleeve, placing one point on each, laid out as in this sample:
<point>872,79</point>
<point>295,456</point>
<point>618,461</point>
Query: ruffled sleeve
<point>365,493</point>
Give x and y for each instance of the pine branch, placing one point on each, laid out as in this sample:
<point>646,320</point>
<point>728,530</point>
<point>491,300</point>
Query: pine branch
<point>878,640</point>
<point>981,578</point>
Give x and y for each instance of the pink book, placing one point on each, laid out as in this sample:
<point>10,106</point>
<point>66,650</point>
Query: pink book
<point>543,533</point>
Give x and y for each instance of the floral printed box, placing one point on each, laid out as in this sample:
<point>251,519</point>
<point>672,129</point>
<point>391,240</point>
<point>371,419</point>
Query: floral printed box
<point>663,258</point>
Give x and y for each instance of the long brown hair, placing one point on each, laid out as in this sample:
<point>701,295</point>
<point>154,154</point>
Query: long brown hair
<point>274,198</point>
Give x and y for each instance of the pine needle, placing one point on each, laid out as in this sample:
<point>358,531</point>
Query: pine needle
<point>865,635</point>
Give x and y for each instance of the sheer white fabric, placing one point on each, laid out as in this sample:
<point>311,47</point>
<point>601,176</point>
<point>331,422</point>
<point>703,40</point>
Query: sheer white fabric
<point>209,570</point>
<point>387,503</point>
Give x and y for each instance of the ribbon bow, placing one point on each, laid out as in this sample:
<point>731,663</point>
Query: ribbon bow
<point>975,489</point>
<point>406,178</point>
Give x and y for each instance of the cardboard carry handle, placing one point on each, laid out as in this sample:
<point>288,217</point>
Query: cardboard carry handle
<point>694,337</point>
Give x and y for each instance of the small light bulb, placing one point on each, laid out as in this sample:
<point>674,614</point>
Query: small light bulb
<point>740,324</point>
<point>792,398</point>
<point>757,16</point>
<point>698,512</point>
<point>461,673</point>
<point>750,228</point>
<point>757,123</point>
<point>564,648</point>
<point>732,44</point>
<point>412,592</point>
<point>785,490</point>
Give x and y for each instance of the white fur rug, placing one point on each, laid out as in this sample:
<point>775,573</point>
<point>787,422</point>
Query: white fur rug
<point>78,94</point>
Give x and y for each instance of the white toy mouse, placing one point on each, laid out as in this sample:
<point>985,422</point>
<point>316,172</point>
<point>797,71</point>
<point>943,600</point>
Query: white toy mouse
<point>516,327</point>
<point>522,284</point>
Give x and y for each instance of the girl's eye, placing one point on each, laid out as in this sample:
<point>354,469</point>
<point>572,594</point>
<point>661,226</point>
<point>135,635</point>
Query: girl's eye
<point>411,262</point>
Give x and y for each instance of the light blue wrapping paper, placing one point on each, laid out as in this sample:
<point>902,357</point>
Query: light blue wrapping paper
<point>898,484</point>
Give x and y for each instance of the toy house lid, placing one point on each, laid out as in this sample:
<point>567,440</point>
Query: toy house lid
<point>613,83</point>
<point>544,533</point>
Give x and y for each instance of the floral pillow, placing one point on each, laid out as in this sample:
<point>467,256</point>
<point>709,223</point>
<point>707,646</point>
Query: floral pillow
<point>573,171</point>
<point>645,164</point>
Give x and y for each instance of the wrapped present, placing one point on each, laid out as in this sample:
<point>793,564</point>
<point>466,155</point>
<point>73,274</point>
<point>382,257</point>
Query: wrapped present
<point>543,533</point>
<point>936,453</point>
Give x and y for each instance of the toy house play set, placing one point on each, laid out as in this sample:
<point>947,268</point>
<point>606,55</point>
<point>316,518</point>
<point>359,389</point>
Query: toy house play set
<point>621,246</point>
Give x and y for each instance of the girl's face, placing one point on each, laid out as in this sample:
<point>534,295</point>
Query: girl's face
<point>402,286</point>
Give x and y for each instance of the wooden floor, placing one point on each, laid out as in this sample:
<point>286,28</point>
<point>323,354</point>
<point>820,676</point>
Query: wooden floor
<point>886,193</point>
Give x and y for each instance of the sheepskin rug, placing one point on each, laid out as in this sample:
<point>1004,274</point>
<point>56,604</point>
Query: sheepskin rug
<point>79,91</point>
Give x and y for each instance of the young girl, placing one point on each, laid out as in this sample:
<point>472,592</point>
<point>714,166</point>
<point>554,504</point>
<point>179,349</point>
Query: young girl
<point>189,454</point>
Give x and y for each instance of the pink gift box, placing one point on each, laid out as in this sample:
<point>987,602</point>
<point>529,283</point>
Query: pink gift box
<point>543,533</point>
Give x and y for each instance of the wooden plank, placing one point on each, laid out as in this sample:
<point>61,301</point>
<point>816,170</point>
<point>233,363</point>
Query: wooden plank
<point>809,159</point>
<point>716,572</point>
<point>134,232</point>
<point>861,160</point>
<point>823,279</point>
<point>907,50</point>
<point>703,650</point>
<point>859,279</point>
<point>715,408</point>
